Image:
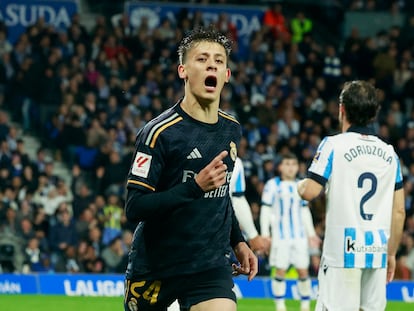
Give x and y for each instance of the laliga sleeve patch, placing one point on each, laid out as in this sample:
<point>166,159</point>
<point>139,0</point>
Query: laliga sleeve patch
<point>141,165</point>
<point>316,156</point>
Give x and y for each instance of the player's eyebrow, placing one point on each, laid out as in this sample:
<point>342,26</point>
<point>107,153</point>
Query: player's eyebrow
<point>216,55</point>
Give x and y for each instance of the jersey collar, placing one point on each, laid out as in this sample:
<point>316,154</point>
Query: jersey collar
<point>361,130</point>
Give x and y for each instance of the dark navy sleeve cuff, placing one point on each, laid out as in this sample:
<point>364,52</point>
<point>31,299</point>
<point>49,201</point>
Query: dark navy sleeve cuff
<point>319,179</point>
<point>196,191</point>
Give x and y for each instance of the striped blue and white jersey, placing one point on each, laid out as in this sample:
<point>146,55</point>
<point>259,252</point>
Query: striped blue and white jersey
<point>286,204</point>
<point>361,173</point>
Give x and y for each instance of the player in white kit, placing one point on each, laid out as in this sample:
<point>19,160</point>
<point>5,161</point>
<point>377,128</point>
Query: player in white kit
<point>287,218</point>
<point>365,206</point>
<point>243,212</point>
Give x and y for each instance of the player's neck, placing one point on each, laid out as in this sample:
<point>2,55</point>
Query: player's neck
<point>207,113</point>
<point>345,127</point>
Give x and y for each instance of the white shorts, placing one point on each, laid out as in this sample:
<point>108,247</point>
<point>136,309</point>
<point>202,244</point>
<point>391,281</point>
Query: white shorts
<point>353,289</point>
<point>289,252</point>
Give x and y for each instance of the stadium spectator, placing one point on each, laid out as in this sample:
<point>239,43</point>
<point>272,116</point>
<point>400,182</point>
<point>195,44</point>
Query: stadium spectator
<point>92,262</point>
<point>25,230</point>
<point>112,255</point>
<point>276,22</point>
<point>225,26</point>
<point>5,46</point>
<point>69,261</point>
<point>332,67</point>
<point>95,239</point>
<point>71,137</point>
<point>36,260</point>
<point>62,232</point>
<point>86,220</point>
<point>111,218</point>
<point>83,196</point>
<point>385,63</point>
<point>300,25</point>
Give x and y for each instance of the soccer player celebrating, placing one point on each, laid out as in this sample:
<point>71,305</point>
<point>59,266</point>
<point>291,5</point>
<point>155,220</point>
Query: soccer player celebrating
<point>365,206</point>
<point>178,192</point>
<point>287,217</point>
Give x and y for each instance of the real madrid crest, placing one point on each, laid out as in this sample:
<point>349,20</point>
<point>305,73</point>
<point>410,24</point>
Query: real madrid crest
<point>132,304</point>
<point>233,151</point>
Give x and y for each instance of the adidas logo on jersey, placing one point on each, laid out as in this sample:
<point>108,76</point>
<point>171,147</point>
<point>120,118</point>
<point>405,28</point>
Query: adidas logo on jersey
<point>195,154</point>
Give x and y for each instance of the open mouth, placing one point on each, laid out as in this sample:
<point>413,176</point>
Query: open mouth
<point>210,82</point>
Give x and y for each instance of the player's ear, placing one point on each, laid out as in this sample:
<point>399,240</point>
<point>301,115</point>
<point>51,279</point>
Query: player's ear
<point>228,75</point>
<point>341,111</point>
<point>182,73</point>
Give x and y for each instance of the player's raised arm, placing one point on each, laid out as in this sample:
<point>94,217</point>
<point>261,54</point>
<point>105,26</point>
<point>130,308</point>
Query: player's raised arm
<point>154,204</point>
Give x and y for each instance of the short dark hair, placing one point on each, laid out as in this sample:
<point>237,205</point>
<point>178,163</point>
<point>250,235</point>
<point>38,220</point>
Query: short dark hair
<point>197,35</point>
<point>359,99</point>
<point>289,156</point>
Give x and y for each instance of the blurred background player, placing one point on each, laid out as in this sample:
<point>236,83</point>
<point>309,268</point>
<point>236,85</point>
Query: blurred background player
<point>287,218</point>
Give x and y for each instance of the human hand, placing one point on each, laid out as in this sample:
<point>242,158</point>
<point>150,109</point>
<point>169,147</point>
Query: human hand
<point>260,245</point>
<point>390,268</point>
<point>315,242</point>
<point>213,175</point>
<point>248,261</point>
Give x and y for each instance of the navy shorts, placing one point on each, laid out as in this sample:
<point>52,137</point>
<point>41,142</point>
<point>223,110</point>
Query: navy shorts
<point>145,294</point>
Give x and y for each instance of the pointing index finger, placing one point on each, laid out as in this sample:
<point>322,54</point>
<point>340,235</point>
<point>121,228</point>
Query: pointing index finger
<point>219,158</point>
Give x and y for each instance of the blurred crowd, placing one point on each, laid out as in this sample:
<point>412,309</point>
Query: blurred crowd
<point>86,93</point>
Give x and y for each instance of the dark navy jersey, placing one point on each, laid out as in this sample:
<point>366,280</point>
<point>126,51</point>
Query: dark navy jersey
<point>189,231</point>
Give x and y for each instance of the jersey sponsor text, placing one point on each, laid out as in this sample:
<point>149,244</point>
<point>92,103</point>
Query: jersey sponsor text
<point>220,192</point>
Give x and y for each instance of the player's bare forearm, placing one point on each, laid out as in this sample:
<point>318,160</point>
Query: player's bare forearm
<point>391,264</point>
<point>397,225</point>
<point>397,222</point>
<point>260,245</point>
<point>309,189</point>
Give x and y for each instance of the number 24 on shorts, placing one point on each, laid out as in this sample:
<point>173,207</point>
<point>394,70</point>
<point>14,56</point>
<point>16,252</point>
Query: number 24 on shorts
<point>150,294</point>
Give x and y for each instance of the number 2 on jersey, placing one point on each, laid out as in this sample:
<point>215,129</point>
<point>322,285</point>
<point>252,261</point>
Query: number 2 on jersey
<point>367,195</point>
